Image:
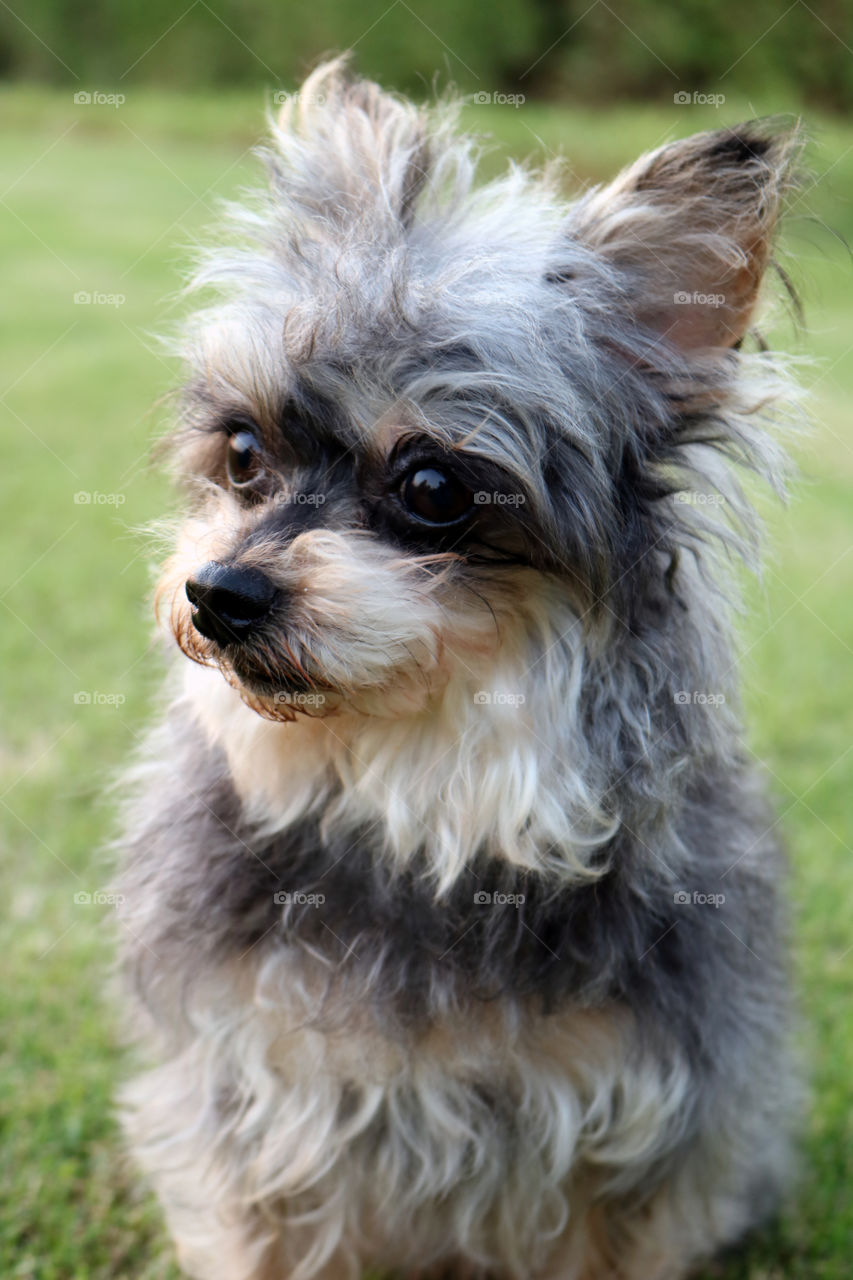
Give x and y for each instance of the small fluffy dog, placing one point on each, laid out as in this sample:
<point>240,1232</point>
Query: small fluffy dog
<point>452,919</point>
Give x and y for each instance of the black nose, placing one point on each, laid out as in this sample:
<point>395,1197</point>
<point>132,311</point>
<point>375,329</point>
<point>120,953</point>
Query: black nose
<point>229,603</point>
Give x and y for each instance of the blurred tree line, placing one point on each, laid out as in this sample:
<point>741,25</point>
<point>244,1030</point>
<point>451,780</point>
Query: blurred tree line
<point>592,50</point>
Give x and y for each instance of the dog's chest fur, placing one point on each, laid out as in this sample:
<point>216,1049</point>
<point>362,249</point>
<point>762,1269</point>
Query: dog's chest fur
<point>325,894</point>
<point>347,1052</point>
<point>368,1042</point>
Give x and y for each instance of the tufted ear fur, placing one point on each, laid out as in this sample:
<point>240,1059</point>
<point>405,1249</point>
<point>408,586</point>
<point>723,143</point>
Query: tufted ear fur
<point>689,229</point>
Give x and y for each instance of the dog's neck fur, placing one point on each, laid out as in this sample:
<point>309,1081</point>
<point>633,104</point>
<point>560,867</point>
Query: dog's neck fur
<point>486,765</point>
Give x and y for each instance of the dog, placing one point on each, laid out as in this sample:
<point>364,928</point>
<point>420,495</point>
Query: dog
<point>454,927</point>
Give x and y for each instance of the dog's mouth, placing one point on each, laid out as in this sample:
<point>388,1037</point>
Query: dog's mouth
<point>312,644</point>
<point>272,674</point>
<point>231,617</point>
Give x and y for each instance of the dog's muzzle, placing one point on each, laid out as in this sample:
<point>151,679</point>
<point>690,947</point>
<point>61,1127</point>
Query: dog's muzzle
<point>229,603</point>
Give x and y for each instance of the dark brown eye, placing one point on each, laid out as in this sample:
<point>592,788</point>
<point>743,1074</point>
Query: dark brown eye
<point>433,495</point>
<point>242,459</point>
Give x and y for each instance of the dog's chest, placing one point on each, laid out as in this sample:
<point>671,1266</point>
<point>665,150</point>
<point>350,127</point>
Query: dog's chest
<point>483,1120</point>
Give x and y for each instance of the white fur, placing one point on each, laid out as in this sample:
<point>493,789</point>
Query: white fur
<point>419,1164</point>
<point>456,775</point>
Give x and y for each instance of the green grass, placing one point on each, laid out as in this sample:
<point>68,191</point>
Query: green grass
<point>104,201</point>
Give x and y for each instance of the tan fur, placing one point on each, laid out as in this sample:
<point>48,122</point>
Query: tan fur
<point>679,227</point>
<point>588,1103</point>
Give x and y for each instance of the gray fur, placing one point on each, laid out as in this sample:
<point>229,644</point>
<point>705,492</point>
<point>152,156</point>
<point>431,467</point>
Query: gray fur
<point>381,304</point>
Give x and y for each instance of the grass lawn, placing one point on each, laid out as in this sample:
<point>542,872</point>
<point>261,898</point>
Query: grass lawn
<point>102,201</point>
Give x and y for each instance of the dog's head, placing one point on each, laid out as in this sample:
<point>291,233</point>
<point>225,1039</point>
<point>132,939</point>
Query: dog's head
<point>429,425</point>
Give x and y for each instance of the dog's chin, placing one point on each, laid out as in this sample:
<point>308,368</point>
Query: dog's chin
<point>269,684</point>
<point>285,695</point>
<point>277,692</point>
<point>283,686</point>
<point>265,681</point>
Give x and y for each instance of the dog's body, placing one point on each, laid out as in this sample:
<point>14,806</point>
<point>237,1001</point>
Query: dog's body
<point>452,913</point>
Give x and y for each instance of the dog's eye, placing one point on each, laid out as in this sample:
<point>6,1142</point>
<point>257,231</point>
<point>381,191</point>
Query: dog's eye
<point>435,496</point>
<point>243,459</point>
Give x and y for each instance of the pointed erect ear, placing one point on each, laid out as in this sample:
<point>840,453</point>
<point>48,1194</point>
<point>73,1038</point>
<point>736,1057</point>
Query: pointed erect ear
<point>690,229</point>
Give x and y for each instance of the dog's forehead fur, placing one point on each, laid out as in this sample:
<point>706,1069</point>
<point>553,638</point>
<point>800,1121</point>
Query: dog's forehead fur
<point>374,272</point>
<point>467,328</point>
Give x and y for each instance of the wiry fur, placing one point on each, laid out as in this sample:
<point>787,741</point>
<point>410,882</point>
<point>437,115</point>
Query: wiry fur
<point>583,1078</point>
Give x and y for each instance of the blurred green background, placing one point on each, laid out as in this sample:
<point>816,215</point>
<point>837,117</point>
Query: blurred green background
<point>595,50</point>
<point>122,125</point>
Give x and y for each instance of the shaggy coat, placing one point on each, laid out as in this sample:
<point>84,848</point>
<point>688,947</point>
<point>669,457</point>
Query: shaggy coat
<point>451,924</point>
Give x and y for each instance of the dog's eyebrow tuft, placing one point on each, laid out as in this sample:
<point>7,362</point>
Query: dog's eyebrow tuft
<point>307,419</point>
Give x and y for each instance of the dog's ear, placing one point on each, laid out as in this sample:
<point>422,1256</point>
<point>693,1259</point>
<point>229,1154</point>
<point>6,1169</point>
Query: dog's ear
<point>689,230</point>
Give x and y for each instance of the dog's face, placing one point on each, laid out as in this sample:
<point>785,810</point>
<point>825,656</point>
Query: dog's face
<point>429,428</point>
<point>356,542</point>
